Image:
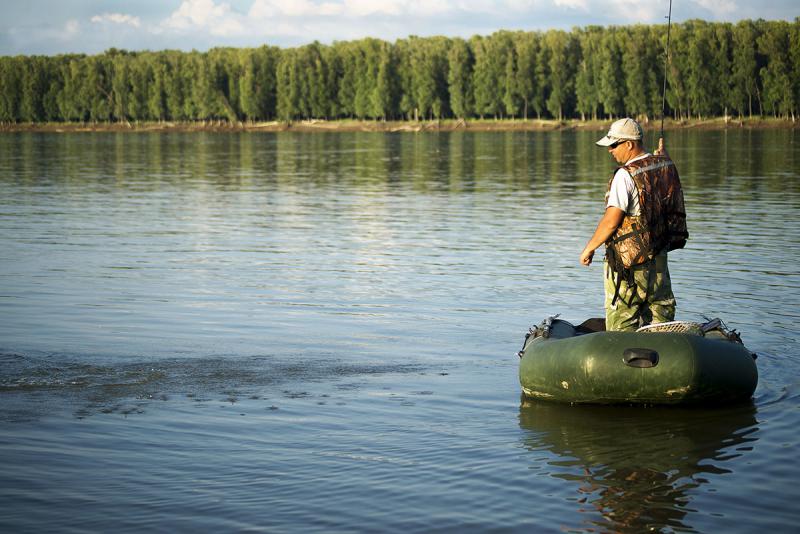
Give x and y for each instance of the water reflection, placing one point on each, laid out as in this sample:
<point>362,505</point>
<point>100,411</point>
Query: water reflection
<point>635,470</point>
<point>741,163</point>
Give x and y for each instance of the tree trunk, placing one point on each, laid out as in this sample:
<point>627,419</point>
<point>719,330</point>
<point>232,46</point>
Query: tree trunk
<point>760,103</point>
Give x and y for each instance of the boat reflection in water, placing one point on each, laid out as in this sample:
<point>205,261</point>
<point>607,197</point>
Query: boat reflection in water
<point>635,468</point>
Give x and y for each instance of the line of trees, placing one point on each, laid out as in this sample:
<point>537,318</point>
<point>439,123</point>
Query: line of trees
<point>745,69</point>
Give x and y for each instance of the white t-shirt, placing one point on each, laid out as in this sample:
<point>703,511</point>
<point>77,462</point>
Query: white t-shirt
<point>623,193</point>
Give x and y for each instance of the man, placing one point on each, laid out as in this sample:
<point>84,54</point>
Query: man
<point>644,219</point>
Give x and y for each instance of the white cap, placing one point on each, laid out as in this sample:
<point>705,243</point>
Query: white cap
<point>625,129</point>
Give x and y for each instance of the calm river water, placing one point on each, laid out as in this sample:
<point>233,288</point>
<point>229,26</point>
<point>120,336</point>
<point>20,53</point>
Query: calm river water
<point>317,332</point>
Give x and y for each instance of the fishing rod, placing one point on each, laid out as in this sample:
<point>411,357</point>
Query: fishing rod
<point>666,60</point>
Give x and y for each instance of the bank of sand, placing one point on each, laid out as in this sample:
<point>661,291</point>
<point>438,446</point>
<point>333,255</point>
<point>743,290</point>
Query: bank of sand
<point>389,126</point>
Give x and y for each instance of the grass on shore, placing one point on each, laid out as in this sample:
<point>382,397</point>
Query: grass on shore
<point>353,125</point>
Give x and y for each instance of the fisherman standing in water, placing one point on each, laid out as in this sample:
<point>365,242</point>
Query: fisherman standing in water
<point>644,219</point>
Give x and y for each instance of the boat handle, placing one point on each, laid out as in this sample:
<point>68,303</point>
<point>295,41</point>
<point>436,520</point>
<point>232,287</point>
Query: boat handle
<point>642,358</point>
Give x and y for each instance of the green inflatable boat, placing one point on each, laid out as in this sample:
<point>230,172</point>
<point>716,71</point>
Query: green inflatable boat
<point>668,363</point>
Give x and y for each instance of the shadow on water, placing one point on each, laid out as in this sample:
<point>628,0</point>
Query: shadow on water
<point>633,469</point>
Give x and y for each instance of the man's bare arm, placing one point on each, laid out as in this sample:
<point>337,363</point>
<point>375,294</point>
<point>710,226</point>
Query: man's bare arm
<point>605,229</point>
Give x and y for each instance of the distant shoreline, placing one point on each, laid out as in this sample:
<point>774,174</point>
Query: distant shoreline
<point>448,125</point>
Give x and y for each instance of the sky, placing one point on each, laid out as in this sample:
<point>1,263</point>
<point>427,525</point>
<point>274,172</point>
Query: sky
<point>92,26</point>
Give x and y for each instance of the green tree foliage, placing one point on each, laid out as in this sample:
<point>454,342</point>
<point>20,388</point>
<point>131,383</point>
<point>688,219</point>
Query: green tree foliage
<point>489,73</point>
<point>53,88</point>
<point>383,94</point>
<point>721,59</point>
<point>32,86</point>
<point>344,59</point>
<point>641,63</point>
<point>310,73</point>
<point>752,67</point>
<point>174,86</point>
<point>189,86</point>
<point>459,78</point>
<point>744,68</point>
<point>588,76</point>
<point>511,93</point>
<point>223,71</point>
<point>527,46</point>
<point>365,54</point>
<point>72,101</point>
<point>266,88</point>
<point>794,61</point>
<point>611,93</point>
<point>288,104</point>
<point>10,88</point>
<point>562,54</point>
<point>120,84</point>
<point>677,72</point>
<point>779,94</point>
<point>701,83</point>
<point>140,79</point>
<point>157,94</point>
<point>427,63</point>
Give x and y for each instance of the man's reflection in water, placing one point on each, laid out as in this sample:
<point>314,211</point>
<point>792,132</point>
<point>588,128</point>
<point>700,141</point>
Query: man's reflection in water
<point>635,466</point>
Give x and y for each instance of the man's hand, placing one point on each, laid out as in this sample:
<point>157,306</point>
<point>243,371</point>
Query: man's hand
<point>661,151</point>
<point>586,256</point>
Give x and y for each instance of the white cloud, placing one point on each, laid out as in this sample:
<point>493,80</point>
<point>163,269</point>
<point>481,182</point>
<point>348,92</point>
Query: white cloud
<point>365,8</point>
<point>205,15</point>
<point>633,11</point>
<point>71,28</point>
<point>338,19</point>
<point>117,18</point>
<point>718,7</point>
<point>428,8</point>
<point>203,24</point>
<point>483,6</point>
<point>305,20</point>
<point>348,8</point>
<point>296,8</point>
<point>572,4</point>
<point>299,21</point>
